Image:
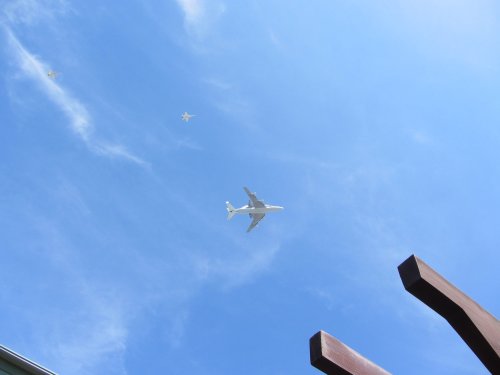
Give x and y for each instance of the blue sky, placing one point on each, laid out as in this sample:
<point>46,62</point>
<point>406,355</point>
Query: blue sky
<point>376,125</point>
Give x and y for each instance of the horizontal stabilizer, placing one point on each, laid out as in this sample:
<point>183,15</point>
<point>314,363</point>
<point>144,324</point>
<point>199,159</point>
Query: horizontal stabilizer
<point>230,210</point>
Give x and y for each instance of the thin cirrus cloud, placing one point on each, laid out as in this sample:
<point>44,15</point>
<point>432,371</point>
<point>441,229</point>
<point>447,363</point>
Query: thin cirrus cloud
<point>99,337</point>
<point>193,11</point>
<point>84,328</point>
<point>200,15</point>
<point>77,113</point>
<point>28,12</point>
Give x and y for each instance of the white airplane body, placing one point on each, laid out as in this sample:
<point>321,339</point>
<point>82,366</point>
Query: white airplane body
<point>186,116</point>
<point>52,74</point>
<point>256,208</point>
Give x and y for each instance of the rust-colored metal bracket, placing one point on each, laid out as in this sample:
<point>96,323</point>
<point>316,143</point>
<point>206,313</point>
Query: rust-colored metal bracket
<point>479,329</point>
<point>334,358</point>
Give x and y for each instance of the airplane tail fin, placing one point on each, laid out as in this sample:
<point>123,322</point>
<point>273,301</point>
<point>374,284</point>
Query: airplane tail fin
<point>230,210</point>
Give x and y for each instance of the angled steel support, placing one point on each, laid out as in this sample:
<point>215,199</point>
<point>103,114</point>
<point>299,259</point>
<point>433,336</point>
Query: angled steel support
<point>479,329</point>
<point>334,358</point>
<point>13,363</point>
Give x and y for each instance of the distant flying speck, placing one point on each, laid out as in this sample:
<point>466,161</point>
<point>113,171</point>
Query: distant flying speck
<point>52,74</point>
<point>186,116</point>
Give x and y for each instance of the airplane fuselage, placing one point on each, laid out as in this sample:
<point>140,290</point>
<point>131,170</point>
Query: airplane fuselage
<point>258,210</point>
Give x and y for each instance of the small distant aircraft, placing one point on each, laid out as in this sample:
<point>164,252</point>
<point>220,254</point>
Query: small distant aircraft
<point>186,116</point>
<point>256,208</point>
<point>52,74</point>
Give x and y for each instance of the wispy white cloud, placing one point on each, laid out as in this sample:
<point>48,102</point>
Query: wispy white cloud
<point>304,160</point>
<point>71,198</point>
<point>95,336</point>
<point>176,142</point>
<point>177,328</point>
<point>77,323</point>
<point>218,83</point>
<point>235,271</point>
<point>275,40</point>
<point>36,70</point>
<point>193,11</point>
<point>421,137</point>
<point>228,99</point>
<point>240,109</point>
<point>188,144</point>
<point>199,15</point>
<point>459,31</point>
<point>325,295</point>
<point>90,325</point>
<point>29,12</point>
<point>80,119</point>
<point>118,151</point>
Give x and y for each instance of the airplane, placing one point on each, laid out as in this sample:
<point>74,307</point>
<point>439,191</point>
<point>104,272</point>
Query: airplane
<point>52,74</point>
<point>186,116</point>
<point>256,208</point>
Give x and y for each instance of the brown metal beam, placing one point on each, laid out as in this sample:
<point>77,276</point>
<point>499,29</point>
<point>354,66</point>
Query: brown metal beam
<point>479,329</point>
<point>334,358</point>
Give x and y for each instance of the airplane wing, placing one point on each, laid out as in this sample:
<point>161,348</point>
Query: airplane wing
<point>256,202</point>
<point>256,218</point>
